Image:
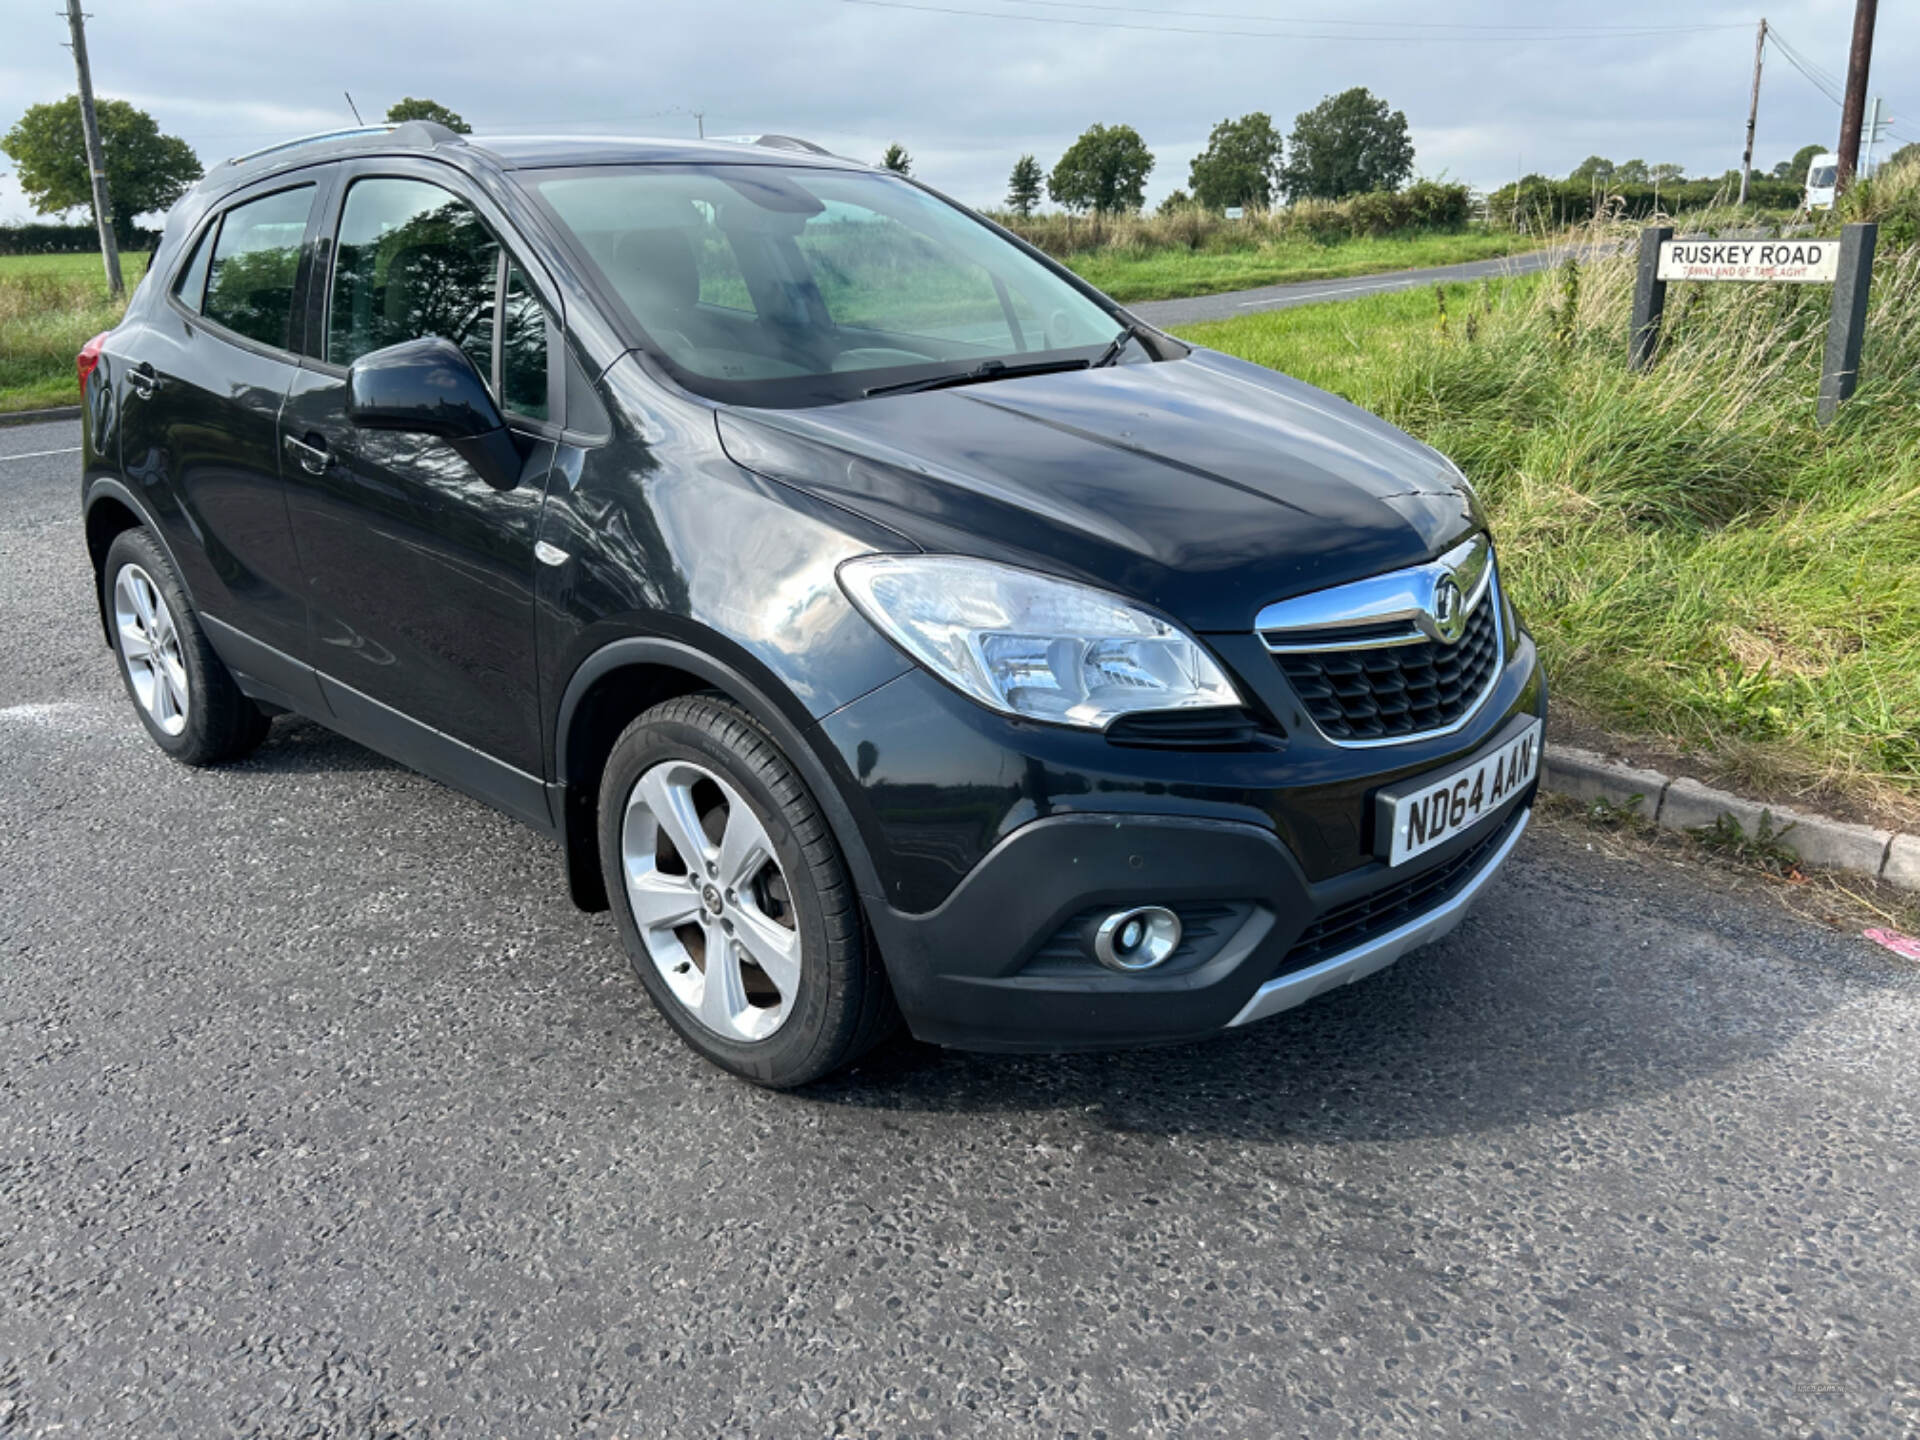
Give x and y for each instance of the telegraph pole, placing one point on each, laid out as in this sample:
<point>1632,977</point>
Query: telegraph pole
<point>1753,110</point>
<point>96,157</point>
<point>1855,109</point>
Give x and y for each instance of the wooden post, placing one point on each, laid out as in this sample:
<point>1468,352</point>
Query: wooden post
<point>1847,327</point>
<point>1649,298</point>
<point>1753,113</point>
<point>96,156</point>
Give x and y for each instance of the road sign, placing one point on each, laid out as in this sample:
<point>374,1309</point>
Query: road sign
<point>1846,264</point>
<point>1806,262</point>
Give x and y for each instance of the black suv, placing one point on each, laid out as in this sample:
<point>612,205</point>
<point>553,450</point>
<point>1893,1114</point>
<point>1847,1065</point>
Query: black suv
<point>882,620</point>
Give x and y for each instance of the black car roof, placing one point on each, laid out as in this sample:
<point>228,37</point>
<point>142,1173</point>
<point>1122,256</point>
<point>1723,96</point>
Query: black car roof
<point>514,152</point>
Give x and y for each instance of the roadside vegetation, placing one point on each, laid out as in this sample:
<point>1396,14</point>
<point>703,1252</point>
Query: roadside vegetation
<point>51,305</point>
<point>1189,250</point>
<point>1704,566</point>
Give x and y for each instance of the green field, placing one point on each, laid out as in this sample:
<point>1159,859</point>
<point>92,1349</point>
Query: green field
<point>51,305</point>
<point>1704,567</point>
<point>1166,273</point>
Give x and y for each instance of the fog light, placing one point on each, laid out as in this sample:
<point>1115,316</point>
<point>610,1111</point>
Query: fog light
<point>1138,939</point>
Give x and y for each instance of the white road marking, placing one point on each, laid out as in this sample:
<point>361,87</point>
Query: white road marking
<point>42,454</point>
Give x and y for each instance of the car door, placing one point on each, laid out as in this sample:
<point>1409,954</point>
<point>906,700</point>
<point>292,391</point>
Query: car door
<point>419,574</point>
<point>202,382</point>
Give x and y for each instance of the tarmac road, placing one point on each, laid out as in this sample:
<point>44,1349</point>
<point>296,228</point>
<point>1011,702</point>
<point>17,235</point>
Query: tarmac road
<point>323,1114</point>
<point>1170,314</point>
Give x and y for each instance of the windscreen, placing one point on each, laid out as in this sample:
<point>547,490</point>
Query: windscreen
<point>1821,177</point>
<point>786,285</point>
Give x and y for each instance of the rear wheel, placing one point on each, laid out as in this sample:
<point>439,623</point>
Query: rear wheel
<point>184,696</point>
<point>732,898</point>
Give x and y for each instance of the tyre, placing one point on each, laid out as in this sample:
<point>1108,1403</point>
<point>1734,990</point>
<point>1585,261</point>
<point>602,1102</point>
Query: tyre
<point>732,897</point>
<point>182,693</point>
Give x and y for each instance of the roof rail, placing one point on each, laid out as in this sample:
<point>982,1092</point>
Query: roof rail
<point>425,133</point>
<point>789,142</point>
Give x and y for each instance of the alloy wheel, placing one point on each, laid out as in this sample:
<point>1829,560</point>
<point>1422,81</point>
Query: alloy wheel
<point>710,900</point>
<point>150,648</point>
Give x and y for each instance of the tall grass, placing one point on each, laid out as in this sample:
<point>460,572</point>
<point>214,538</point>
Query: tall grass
<point>50,305</point>
<point>1702,562</point>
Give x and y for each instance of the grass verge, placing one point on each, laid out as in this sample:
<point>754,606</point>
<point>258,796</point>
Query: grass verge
<point>1131,273</point>
<point>51,305</point>
<point>1703,565</point>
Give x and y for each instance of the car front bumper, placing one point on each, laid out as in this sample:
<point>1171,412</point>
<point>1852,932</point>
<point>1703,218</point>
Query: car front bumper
<point>998,846</point>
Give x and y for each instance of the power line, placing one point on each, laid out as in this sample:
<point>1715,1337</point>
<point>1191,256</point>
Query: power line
<point>1574,31</point>
<point>1265,34</point>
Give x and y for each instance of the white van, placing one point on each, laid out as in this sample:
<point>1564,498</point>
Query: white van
<point>1821,173</point>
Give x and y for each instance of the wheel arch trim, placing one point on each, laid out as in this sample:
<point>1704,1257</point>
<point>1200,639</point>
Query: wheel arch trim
<point>796,741</point>
<point>108,488</point>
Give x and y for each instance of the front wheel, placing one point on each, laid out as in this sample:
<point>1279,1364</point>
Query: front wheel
<point>732,898</point>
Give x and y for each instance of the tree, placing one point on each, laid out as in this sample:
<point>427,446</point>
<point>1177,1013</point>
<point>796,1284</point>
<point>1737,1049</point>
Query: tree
<point>146,170</point>
<point>1594,170</point>
<point>1104,171</point>
<point>1023,186</point>
<point>1904,156</point>
<point>897,159</point>
<point>1348,144</point>
<point>412,109</point>
<point>1632,172</point>
<point>1176,202</point>
<point>1240,166</point>
<point>1666,174</point>
<point>1796,168</point>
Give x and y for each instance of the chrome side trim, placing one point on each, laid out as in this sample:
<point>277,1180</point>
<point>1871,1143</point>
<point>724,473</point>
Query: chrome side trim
<point>1398,596</point>
<point>1376,954</point>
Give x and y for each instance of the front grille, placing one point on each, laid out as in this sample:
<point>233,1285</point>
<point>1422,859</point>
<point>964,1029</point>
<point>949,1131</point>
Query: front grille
<point>1208,729</point>
<point>1397,691</point>
<point>1353,924</point>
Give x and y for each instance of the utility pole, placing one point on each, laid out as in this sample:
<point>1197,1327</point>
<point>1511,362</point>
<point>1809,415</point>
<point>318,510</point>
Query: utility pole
<point>700,119</point>
<point>1855,108</point>
<point>1753,110</point>
<point>96,157</point>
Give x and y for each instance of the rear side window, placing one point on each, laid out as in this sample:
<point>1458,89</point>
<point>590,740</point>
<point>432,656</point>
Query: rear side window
<point>249,286</point>
<point>412,260</point>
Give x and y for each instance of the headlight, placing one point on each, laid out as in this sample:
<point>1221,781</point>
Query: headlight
<point>1030,645</point>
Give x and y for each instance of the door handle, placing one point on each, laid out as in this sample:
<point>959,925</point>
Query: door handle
<point>313,458</point>
<point>144,380</point>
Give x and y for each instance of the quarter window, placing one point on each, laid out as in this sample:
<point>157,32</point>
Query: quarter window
<point>523,350</point>
<point>249,286</point>
<point>192,285</point>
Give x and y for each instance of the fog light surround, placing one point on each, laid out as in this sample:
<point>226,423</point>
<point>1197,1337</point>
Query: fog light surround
<point>1138,939</point>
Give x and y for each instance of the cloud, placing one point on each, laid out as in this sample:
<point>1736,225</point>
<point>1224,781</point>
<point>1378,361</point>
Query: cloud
<point>967,94</point>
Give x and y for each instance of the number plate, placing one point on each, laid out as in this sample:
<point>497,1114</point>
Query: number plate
<point>1417,815</point>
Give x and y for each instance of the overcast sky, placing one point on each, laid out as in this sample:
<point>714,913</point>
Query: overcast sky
<point>1490,87</point>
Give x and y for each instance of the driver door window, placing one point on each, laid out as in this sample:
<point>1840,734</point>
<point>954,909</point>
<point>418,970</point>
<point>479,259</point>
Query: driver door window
<point>412,260</point>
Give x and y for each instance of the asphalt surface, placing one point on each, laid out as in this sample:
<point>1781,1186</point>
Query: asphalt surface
<point>1168,314</point>
<point>323,1114</point>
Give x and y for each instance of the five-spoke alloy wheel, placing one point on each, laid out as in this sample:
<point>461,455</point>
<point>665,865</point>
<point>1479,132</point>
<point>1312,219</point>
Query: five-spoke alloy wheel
<point>733,899</point>
<point>710,900</point>
<point>150,648</point>
<point>189,702</point>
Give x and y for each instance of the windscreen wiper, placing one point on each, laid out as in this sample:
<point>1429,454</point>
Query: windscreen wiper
<point>984,371</point>
<point>1111,355</point>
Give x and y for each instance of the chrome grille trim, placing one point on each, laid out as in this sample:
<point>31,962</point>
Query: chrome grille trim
<point>1382,611</point>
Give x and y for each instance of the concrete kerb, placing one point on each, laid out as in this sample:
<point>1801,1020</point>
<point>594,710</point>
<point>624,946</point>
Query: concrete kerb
<point>1683,804</point>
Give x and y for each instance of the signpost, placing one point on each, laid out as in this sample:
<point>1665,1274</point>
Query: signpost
<point>1846,264</point>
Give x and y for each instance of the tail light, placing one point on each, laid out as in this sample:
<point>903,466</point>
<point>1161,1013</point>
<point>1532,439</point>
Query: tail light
<point>88,357</point>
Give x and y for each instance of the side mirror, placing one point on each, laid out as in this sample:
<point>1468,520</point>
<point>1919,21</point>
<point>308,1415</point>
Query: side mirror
<point>429,387</point>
